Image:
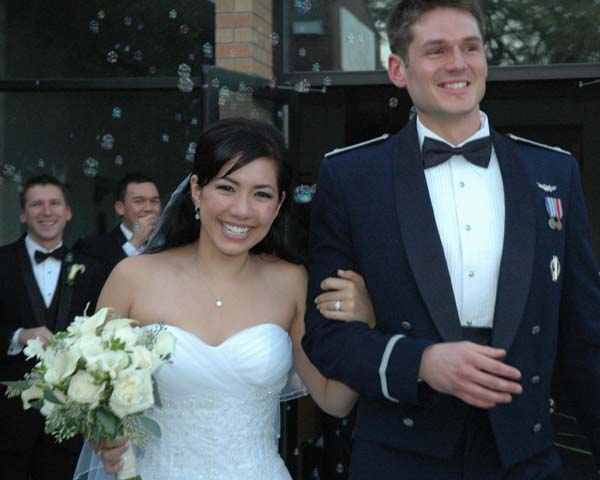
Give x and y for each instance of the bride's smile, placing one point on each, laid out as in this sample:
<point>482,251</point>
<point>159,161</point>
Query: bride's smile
<point>238,208</point>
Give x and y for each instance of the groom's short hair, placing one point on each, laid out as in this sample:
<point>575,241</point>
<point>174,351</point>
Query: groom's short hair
<point>400,21</point>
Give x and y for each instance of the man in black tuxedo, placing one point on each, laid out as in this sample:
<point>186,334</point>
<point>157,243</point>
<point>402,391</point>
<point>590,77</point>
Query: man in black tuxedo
<point>43,286</point>
<point>138,205</point>
<point>476,253</point>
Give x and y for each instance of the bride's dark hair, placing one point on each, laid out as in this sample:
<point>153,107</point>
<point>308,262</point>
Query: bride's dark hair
<point>217,144</point>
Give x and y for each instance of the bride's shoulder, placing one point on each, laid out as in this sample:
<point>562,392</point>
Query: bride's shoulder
<point>138,267</point>
<point>282,271</point>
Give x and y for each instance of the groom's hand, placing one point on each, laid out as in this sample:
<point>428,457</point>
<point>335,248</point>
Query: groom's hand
<point>473,373</point>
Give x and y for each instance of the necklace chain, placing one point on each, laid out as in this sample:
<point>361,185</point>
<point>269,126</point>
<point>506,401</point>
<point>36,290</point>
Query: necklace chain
<point>218,298</point>
<point>219,302</point>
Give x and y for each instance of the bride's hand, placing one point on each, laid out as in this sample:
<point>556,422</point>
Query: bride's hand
<point>111,454</point>
<point>346,299</point>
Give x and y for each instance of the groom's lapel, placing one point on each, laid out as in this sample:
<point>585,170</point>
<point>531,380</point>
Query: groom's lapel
<point>516,267</point>
<point>420,235</point>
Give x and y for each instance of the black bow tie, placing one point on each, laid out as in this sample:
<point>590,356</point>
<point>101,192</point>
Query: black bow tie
<point>477,152</point>
<point>58,253</point>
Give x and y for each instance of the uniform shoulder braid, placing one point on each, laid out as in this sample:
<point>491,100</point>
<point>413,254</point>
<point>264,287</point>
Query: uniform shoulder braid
<point>537,144</point>
<point>335,151</point>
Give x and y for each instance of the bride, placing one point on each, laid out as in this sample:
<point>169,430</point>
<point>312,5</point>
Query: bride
<point>225,285</point>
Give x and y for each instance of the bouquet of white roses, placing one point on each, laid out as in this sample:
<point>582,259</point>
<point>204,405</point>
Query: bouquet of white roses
<point>96,379</point>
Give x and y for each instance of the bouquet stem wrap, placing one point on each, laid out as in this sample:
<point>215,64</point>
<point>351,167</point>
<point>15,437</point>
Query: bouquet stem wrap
<point>129,470</point>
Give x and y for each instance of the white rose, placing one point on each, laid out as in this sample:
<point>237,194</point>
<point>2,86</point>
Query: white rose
<point>32,393</point>
<point>88,325</point>
<point>128,335</point>
<point>165,344</point>
<point>118,323</point>
<point>112,362</point>
<point>132,393</point>
<point>34,348</point>
<point>89,347</point>
<point>141,359</point>
<point>83,389</point>
<point>60,366</point>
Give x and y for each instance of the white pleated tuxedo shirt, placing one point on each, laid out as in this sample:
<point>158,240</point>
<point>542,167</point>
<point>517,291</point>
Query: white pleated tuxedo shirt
<point>468,204</point>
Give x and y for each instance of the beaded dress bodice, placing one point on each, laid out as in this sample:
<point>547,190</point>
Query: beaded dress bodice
<point>220,407</point>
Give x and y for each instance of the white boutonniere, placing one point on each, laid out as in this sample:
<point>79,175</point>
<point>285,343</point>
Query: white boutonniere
<point>74,270</point>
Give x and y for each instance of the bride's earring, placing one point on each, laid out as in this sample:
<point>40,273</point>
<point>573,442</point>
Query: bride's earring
<point>197,214</point>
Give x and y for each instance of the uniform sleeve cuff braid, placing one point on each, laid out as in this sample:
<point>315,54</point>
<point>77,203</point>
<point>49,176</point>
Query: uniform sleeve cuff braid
<point>383,367</point>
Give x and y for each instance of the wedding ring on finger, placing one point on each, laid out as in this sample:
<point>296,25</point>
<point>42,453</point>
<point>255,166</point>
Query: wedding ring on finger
<point>337,305</point>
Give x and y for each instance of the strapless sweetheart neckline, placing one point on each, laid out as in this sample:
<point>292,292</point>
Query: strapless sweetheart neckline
<point>228,339</point>
<point>220,408</point>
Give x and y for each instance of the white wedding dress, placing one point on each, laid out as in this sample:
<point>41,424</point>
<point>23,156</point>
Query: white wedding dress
<point>220,412</point>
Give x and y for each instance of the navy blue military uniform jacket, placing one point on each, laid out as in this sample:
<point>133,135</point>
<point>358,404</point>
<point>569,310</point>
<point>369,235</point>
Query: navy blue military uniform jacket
<point>372,214</point>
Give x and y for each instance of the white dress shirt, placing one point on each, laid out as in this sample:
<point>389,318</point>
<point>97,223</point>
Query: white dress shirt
<point>468,204</point>
<point>46,275</point>
<point>128,247</point>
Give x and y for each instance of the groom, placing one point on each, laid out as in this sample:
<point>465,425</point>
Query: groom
<point>476,254</point>
<point>42,287</point>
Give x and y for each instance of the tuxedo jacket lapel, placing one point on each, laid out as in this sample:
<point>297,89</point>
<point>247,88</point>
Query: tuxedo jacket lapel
<point>118,236</point>
<point>66,295</point>
<point>36,301</point>
<point>420,235</point>
<point>516,267</point>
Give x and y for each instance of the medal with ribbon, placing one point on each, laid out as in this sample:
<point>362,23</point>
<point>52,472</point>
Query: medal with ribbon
<point>555,212</point>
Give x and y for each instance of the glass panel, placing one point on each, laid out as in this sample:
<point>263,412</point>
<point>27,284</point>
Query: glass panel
<point>89,140</point>
<point>349,35</point>
<point>93,38</point>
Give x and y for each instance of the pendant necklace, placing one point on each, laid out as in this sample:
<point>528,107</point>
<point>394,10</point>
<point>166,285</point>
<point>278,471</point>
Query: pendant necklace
<point>218,298</point>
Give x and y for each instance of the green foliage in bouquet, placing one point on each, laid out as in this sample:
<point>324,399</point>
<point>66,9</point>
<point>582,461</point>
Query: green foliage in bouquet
<point>95,379</point>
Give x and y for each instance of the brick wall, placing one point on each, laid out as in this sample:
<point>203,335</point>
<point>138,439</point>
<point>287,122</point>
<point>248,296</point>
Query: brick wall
<point>243,29</point>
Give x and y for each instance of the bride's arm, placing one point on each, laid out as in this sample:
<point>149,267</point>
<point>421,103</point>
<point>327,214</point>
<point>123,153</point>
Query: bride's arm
<point>117,295</point>
<point>331,396</point>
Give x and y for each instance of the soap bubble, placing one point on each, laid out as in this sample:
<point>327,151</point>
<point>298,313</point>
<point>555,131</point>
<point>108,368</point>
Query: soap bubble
<point>112,57</point>
<point>107,142</point>
<point>90,167</point>
<point>185,85</point>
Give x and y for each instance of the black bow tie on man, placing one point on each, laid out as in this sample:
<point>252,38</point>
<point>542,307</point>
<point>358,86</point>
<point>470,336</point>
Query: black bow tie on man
<point>58,253</point>
<point>477,152</point>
